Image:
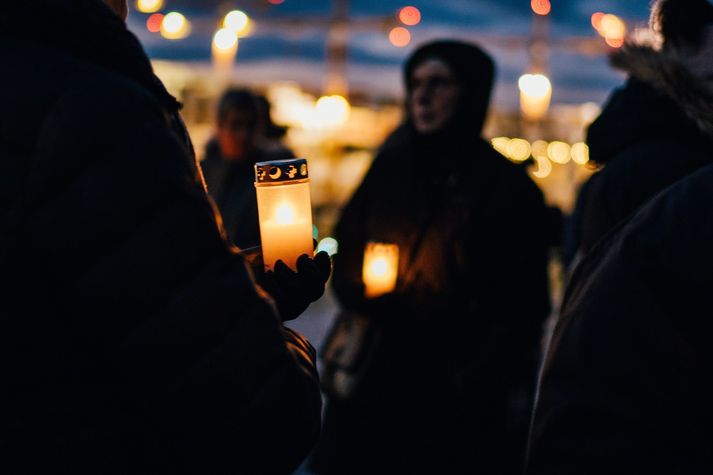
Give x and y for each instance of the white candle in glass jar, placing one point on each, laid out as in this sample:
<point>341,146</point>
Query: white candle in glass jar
<point>284,210</point>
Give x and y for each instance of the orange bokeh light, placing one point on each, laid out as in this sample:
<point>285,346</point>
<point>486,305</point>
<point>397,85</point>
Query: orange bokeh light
<point>153,23</point>
<point>541,7</point>
<point>597,20</point>
<point>410,16</point>
<point>276,2</point>
<point>399,37</point>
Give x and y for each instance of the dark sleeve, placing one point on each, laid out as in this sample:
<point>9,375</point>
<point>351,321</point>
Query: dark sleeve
<point>150,289</point>
<point>623,380</point>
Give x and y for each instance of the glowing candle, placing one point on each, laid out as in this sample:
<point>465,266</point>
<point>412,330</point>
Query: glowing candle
<point>284,210</point>
<point>535,95</point>
<point>381,268</point>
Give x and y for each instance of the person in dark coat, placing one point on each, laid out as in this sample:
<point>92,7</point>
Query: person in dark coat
<point>626,383</point>
<point>649,133</point>
<point>228,164</point>
<point>459,332</point>
<point>134,338</point>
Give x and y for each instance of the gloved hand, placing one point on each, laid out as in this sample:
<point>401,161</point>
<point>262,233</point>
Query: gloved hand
<point>294,291</point>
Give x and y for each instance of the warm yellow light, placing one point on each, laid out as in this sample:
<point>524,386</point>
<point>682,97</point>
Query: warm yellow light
<point>558,152</point>
<point>539,148</point>
<point>541,7</point>
<point>535,85</point>
<point>535,95</point>
<point>225,40</point>
<point>518,150</point>
<point>149,6</point>
<point>544,167</point>
<point>285,214</point>
<point>580,153</point>
<point>501,144</point>
<point>238,22</point>
<point>380,269</point>
<point>332,111</point>
<point>611,26</point>
<point>175,26</point>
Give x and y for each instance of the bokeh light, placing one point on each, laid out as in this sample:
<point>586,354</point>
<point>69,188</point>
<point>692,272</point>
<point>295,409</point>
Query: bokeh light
<point>559,152</point>
<point>328,245</point>
<point>410,16</point>
<point>580,153</point>
<point>400,37</point>
<point>518,150</point>
<point>175,26</point>
<point>332,111</point>
<point>544,167</point>
<point>541,7</point>
<point>225,40</point>
<point>238,22</point>
<point>149,6</point>
<point>539,148</point>
<point>153,23</point>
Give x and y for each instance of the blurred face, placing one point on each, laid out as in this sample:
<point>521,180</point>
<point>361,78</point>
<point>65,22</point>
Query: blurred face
<point>236,134</point>
<point>120,7</point>
<point>435,94</point>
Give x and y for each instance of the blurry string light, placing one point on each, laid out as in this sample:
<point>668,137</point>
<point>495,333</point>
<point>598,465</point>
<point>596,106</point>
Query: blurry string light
<point>400,37</point>
<point>542,152</point>
<point>610,27</point>
<point>580,153</point>
<point>559,152</point>
<point>238,22</point>
<point>154,22</point>
<point>544,167</point>
<point>175,26</point>
<point>541,7</point>
<point>149,6</point>
<point>410,16</point>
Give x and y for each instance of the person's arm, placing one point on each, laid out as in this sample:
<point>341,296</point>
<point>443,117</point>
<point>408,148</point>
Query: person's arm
<point>147,285</point>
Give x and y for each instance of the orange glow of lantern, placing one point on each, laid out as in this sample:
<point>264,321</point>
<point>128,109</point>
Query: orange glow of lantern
<point>380,269</point>
<point>541,7</point>
<point>400,37</point>
<point>410,16</point>
<point>284,210</point>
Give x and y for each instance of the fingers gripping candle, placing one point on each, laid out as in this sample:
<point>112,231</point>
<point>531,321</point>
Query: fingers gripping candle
<point>285,211</point>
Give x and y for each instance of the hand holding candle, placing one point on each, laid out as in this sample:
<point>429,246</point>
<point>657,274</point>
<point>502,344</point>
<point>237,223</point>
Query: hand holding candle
<point>380,269</point>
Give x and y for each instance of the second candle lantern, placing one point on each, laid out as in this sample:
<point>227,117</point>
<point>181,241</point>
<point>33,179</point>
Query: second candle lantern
<point>284,210</point>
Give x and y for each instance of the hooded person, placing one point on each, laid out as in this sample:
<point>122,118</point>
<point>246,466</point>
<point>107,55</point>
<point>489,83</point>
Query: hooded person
<point>456,339</point>
<point>657,128</point>
<point>134,338</point>
<point>626,383</point>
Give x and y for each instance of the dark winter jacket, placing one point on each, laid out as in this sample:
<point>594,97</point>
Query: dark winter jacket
<point>626,386</point>
<point>461,328</point>
<point>654,131</point>
<point>232,187</point>
<point>133,338</point>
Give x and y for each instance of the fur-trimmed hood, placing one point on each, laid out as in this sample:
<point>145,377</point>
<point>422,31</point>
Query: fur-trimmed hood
<point>666,72</point>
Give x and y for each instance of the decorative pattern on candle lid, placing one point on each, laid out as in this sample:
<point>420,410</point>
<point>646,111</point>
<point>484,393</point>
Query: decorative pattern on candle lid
<point>280,171</point>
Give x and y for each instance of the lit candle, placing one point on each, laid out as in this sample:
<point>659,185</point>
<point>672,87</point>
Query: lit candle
<point>381,268</point>
<point>284,210</point>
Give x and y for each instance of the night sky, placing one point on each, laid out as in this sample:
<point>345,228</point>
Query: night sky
<point>277,53</point>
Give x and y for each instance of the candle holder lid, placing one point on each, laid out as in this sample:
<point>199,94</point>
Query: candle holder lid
<point>277,171</point>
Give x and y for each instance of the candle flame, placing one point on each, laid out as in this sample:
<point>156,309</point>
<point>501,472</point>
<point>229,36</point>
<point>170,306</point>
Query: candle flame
<point>285,214</point>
